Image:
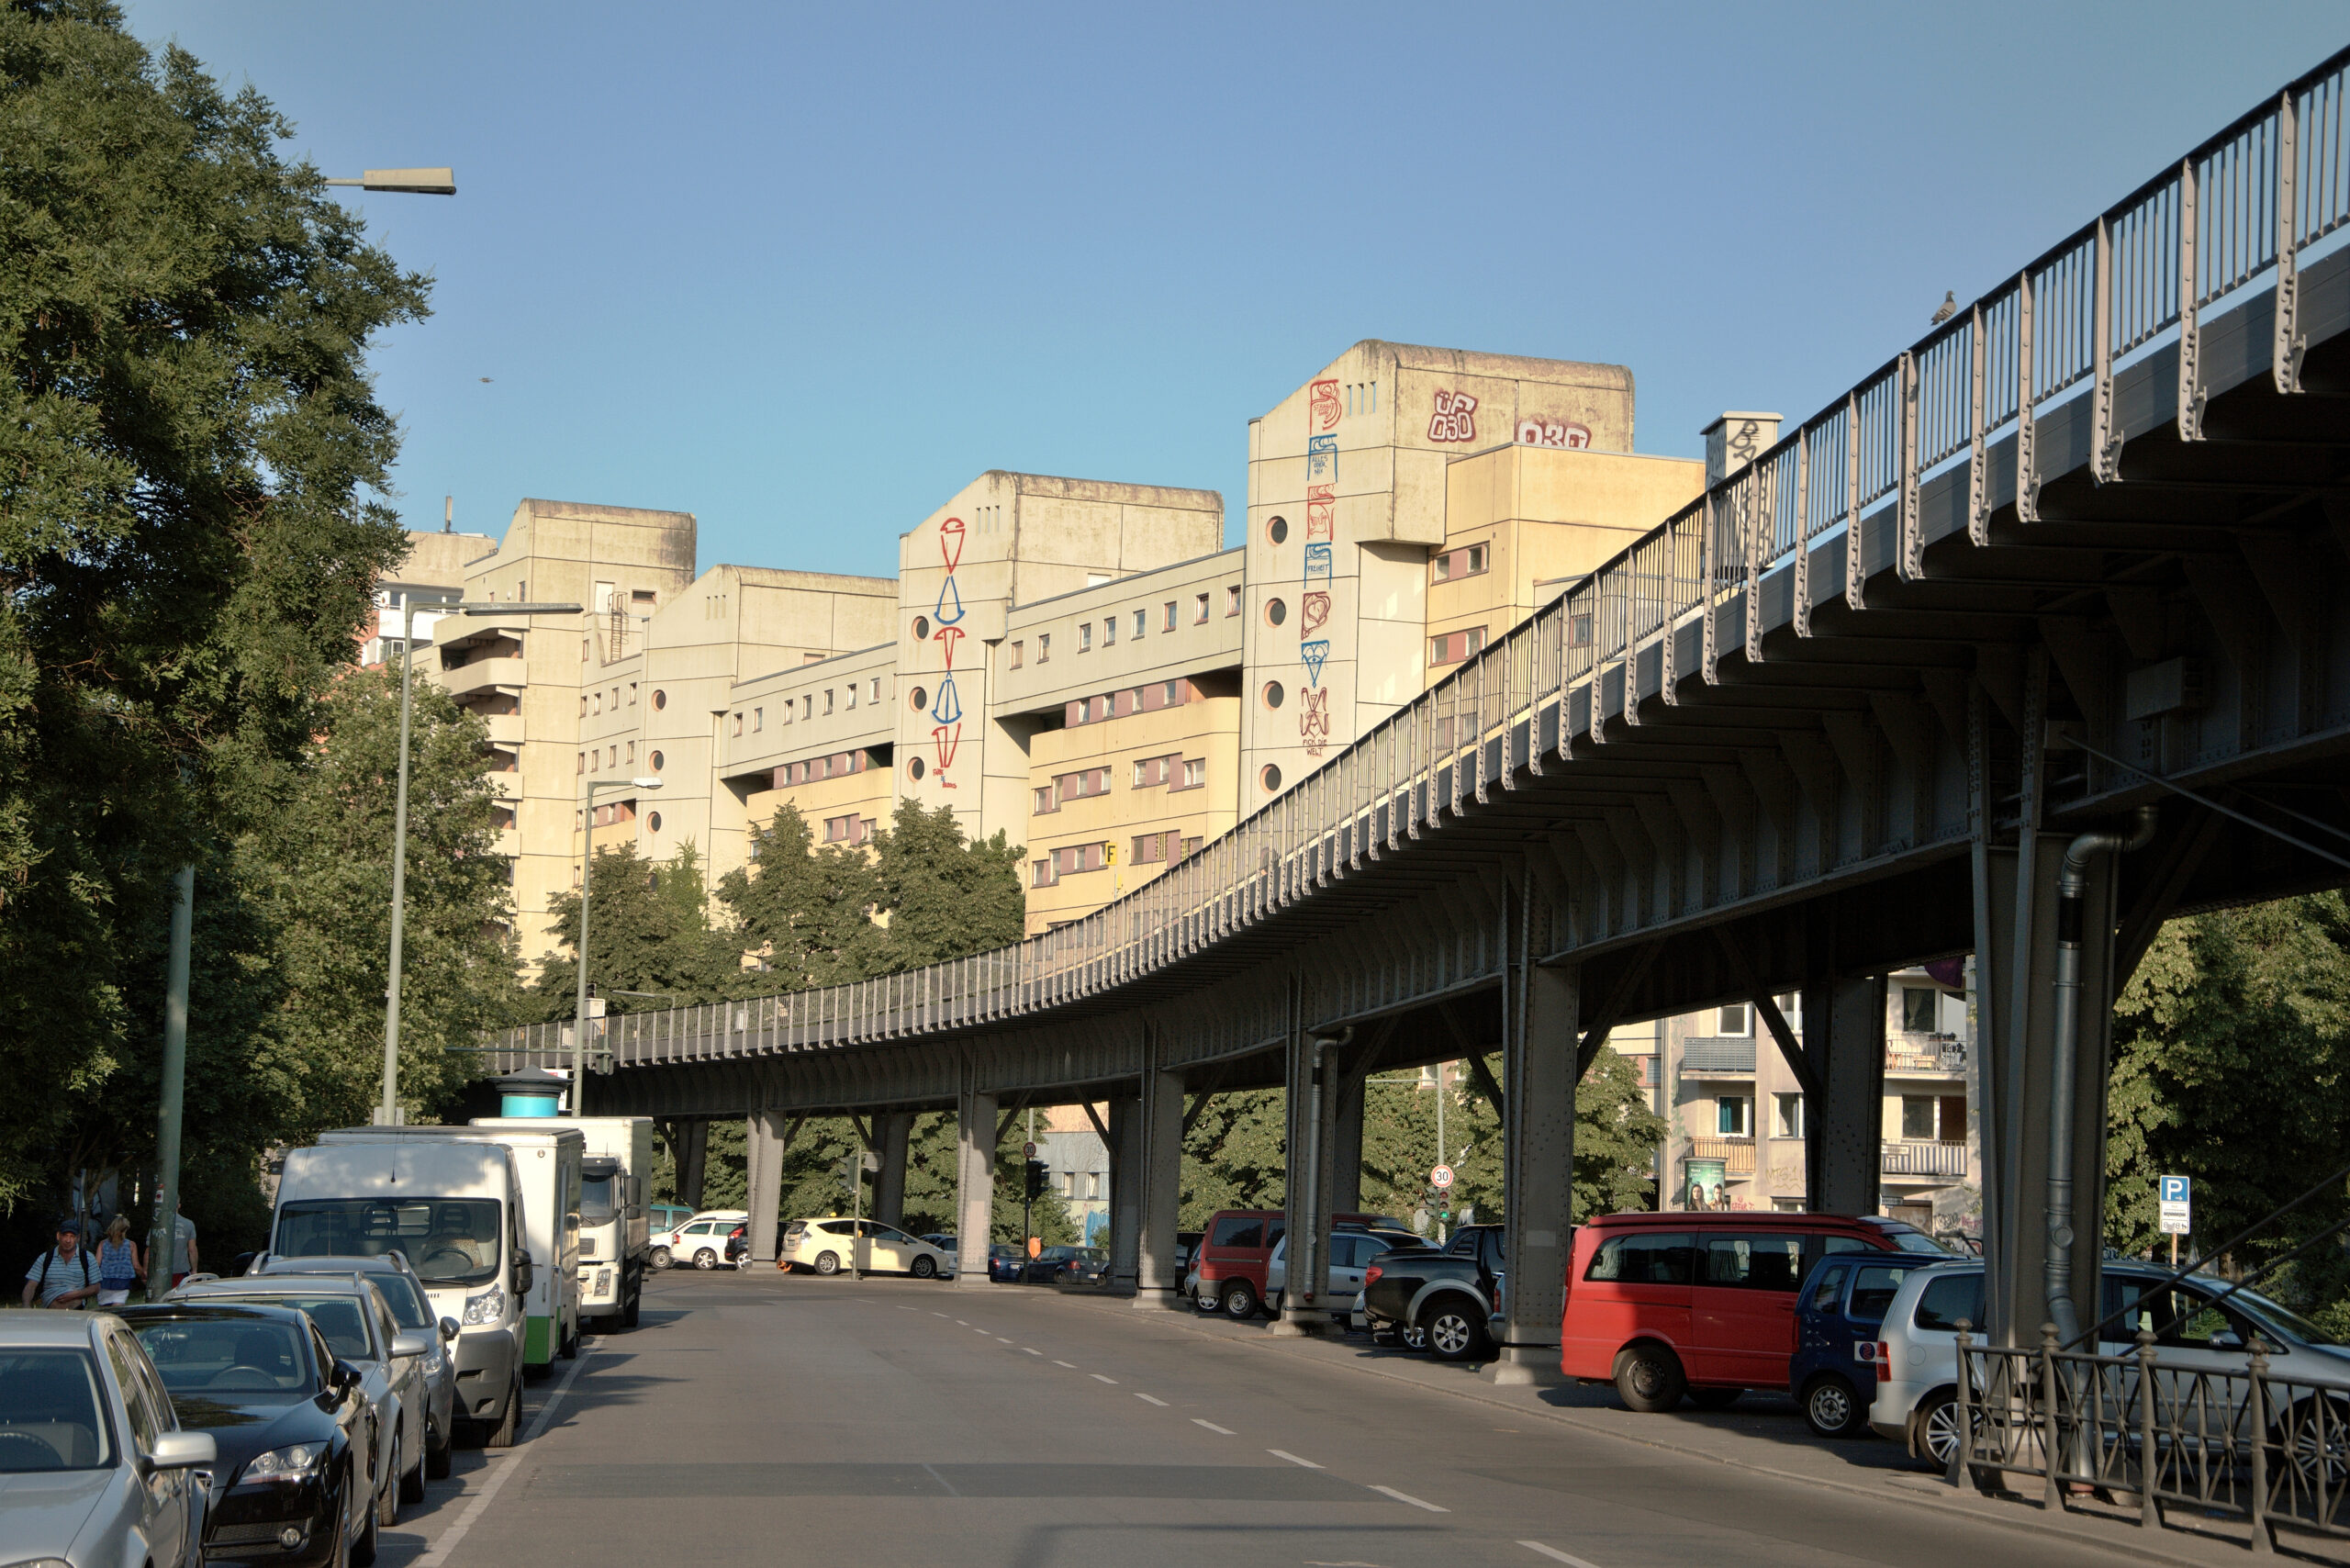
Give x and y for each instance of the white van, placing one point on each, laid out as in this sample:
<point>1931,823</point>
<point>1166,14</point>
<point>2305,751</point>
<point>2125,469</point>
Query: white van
<point>615,1228</point>
<point>455,1211</point>
<point>546,1163</point>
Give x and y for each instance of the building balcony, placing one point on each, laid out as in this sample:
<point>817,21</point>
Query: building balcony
<point>506,785</point>
<point>1909,1158</point>
<point>505,729</point>
<point>508,843</point>
<point>483,676</point>
<point>1737,1154</point>
<point>1925,1056</point>
<point>1723,1054</point>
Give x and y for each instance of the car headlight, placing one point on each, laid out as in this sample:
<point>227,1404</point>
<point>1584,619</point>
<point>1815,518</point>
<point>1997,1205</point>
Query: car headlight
<point>487,1307</point>
<point>296,1463</point>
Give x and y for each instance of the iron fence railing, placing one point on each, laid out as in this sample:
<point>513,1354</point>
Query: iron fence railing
<point>2209,1442</point>
<point>2241,208</point>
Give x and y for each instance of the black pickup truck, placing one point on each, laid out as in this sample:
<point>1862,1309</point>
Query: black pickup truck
<point>1444,1298</point>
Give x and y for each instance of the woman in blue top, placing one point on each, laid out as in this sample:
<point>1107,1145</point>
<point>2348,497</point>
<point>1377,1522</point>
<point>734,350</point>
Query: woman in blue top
<point>118,1267</point>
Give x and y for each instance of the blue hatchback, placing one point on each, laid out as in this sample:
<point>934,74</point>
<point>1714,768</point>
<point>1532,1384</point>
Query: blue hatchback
<point>1837,1318</point>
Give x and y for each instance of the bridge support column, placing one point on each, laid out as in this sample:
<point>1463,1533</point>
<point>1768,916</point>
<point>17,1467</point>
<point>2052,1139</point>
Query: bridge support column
<point>891,1130</point>
<point>1157,1132</point>
<point>975,1186</point>
<point>1312,1126</point>
<point>690,1149</point>
<point>1126,1194</point>
<point>1541,1067</point>
<point>1345,1146</point>
<point>763,1144</point>
<point>1843,1021</point>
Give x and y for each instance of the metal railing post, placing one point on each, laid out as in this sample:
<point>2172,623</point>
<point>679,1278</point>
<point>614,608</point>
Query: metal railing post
<point>2150,1513</point>
<point>1959,1451</point>
<point>2049,1445</point>
<point>2256,1422</point>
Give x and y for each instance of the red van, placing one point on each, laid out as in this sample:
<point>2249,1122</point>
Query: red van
<point>1236,1245</point>
<point>1661,1305</point>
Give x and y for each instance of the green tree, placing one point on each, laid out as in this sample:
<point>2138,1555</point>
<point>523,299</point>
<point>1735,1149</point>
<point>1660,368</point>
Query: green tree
<point>945,896</point>
<point>648,931</point>
<point>1234,1156</point>
<point>802,910</point>
<point>189,451</point>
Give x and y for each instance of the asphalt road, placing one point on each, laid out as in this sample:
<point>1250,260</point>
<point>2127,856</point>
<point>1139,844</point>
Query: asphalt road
<point>767,1419</point>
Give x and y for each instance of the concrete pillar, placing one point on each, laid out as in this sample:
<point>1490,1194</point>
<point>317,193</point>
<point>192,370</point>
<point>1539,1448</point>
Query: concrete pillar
<point>1538,1078</point>
<point>690,1149</point>
<point>975,1186</point>
<point>1844,1020</point>
<point>1126,1194</point>
<point>1345,1146</point>
<point>1157,1136</point>
<point>1313,1117</point>
<point>891,1130</point>
<point>2016,919</point>
<point>764,1145</point>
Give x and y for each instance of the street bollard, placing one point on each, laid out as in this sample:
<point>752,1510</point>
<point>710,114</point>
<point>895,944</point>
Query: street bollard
<point>2256,1414</point>
<point>2150,1513</point>
<point>1958,1454</point>
<point>2049,1445</point>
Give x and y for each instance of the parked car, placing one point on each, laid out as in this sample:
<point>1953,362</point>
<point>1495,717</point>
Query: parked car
<point>700,1240</point>
<point>1704,1305</point>
<point>828,1246</point>
<point>1047,1265</point>
<point>1351,1252</point>
<point>666,1217</point>
<point>1235,1249</point>
<point>1917,1352</point>
<point>940,1240</point>
<point>357,1323</point>
<point>94,1466</point>
<point>1442,1299</point>
<point>1005,1263</point>
<point>1842,1304</point>
<point>1088,1269</point>
<point>290,1423</point>
<point>412,1311</point>
<point>1187,1243</point>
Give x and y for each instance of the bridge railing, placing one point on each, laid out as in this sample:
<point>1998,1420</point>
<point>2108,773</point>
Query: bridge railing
<point>2243,208</point>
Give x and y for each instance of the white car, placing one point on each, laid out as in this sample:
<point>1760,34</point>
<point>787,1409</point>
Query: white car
<point>700,1241</point>
<point>828,1246</point>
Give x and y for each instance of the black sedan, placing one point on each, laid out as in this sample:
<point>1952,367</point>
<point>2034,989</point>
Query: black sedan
<point>289,1422</point>
<point>1047,1266</point>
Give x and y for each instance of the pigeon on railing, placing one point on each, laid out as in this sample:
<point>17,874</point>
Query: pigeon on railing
<point>1949,307</point>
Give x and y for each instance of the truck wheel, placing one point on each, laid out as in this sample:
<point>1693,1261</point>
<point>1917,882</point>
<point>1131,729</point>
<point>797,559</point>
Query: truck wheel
<point>1454,1333</point>
<point>1832,1407</point>
<point>828,1263</point>
<point>1240,1301</point>
<point>1649,1379</point>
<point>501,1436</point>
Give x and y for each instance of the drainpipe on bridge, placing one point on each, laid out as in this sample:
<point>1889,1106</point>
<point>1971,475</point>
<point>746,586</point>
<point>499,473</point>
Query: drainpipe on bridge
<point>2072,889</point>
<point>1309,1267</point>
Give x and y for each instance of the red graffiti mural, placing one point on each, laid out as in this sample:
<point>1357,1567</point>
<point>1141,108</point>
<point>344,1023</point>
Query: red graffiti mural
<point>1455,418</point>
<point>1323,413</point>
<point>1314,719</point>
<point>1316,607</point>
<point>1563,433</point>
<point>946,710</point>
<point>1321,511</point>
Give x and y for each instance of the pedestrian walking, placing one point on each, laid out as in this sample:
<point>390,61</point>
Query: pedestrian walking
<point>183,1253</point>
<point>62,1276</point>
<point>119,1265</point>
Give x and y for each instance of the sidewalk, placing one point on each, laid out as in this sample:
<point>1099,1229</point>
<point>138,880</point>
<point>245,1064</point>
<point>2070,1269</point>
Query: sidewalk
<point>1765,1433</point>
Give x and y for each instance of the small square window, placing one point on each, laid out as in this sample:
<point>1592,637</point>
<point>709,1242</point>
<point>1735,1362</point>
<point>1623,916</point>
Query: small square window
<point>1731,1020</point>
<point>1787,1119</point>
<point>1916,1010</point>
<point>1730,1113</point>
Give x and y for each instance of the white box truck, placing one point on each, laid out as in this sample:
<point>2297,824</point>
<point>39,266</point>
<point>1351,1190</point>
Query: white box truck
<point>615,1228</point>
<point>547,1161</point>
<point>456,1211</point>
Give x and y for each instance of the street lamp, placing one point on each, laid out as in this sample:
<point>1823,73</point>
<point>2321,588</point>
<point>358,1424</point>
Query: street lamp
<point>414,181</point>
<point>388,1113</point>
<point>586,873</point>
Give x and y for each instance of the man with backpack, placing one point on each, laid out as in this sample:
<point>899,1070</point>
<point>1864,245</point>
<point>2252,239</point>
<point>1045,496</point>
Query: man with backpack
<point>62,1276</point>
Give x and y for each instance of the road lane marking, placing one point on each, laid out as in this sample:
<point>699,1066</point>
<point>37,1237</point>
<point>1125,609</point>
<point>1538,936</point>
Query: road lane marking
<point>1099,1378</point>
<point>1004,1340</point>
<point>938,1315</point>
<point>1407,1497</point>
<point>1071,1365</point>
<point>1284,1454</point>
<point>1210,1426</point>
<point>1554,1554</point>
<point>1160,1403</point>
<point>944,1482</point>
<point>439,1551</point>
<point>963,1323</point>
<point>1031,1353</point>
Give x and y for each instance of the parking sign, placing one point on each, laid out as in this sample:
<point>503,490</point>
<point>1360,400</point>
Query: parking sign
<point>2175,1197</point>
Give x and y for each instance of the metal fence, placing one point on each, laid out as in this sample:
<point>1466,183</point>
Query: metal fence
<point>2130,1426</point>
<point>2238,211</point>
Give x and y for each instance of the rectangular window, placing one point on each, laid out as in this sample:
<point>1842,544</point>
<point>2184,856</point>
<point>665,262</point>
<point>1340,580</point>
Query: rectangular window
<point>1732,1116</point>
<point>583,704</point>
<point>1109,631</point>
<point>1954,1121</point>
<point>1196,772</point>
<point>1191,846</point>
<point>1917,1010</point>
<point>1199,614</point>
<point>1151,848</point>
<point>1142,621</point>
<point>583,762</point>
<point>1168,623</point>
<point>1918,1118</point>
<point>807,706</point>
<point>738,723</point>
<point>1231,599</point>
<point>852,696</point>
<point>1646,1258</point>
<point>790,710</point>
<point>631,751</point>
<point>1018,651</point>
<point>758,720</point>
<point>828,699</point>
<point>1786,1116</point>
<point>1043,793</point>
<point>1463,563</point>
<point>1755,1262</point>
<point>631,694</point>
<point>1731,1020</point>
<point>1044,647</point>
<point>1455,646</point>
<point>877,688</point>
<point>1042,874</point>
<point>1085,636</point>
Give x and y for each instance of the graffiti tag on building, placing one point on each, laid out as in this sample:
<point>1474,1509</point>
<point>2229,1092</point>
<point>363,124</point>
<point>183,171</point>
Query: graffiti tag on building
<point>1323,413</point>
<point>947,709</point>
<point>1562,433</point>
<point>1455,418</point>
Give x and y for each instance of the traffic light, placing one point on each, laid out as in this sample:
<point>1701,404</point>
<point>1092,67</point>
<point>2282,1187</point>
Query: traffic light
<point>1036,1179</point>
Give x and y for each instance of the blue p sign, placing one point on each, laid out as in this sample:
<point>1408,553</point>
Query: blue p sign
<point>2174,1189</point>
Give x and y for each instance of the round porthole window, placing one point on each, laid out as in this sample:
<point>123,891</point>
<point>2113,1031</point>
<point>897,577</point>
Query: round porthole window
<point>913,771</point>
<point>922,628</point>
<point>655,760</point>
<point>1270,777</point>
<point>1278,530</point>
<point>654,821</point>
<point>918,700</point>
<point>1275,613</point>
<point>1274,694</point>
<point>660,699</point>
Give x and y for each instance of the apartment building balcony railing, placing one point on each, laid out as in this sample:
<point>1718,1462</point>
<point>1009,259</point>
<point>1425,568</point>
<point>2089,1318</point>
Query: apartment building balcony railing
<point>1925,1056</point>
<point>1909,1158</point>
<point>1737,1154</point>
<point>505,729</point>
<point>483,676</point>
<point>1725,1054</point>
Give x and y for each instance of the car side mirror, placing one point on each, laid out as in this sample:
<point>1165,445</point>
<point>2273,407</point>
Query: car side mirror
<point>522,1273</point>
<point>448,1329</point>
<point>345,1375</point>
<point>183,1450</point>
<point>410,1342</point>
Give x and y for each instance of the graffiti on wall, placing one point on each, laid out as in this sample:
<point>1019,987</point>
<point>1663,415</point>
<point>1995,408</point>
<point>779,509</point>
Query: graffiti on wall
<point>1314,719</point>
<point>1562,433</point>
<point>1321,511</point>
<point>946,708</point>
<point>1455,418</point>
<point>1323,415</point>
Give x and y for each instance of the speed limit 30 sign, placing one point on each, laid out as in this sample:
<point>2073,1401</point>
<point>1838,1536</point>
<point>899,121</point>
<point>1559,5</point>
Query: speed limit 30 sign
<point>1441,1177</point>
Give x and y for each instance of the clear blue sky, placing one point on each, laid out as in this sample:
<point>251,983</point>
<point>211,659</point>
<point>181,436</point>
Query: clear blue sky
<point>805,272</point>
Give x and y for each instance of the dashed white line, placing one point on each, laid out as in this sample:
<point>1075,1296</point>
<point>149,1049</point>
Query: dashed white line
<point>1210,1426</point>
<point>1032,1353</point>
<point>1284,1454</point>
<point>938,1315</point>
<point>1071,1365</point>
<point>1099,1378</point>
<point>1554,1554</point>
<point>1407,1497</point>
<point>1148,1400</point>
<point>962,1323</point>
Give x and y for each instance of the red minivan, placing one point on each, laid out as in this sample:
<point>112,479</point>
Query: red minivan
<point>1661,1305</point>
<point>1238,1244</point>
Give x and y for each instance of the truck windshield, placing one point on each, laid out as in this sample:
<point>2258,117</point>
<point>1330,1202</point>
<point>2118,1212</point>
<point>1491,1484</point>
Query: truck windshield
<point>450,1241</point>
<point>598,1204</point>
